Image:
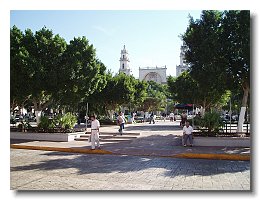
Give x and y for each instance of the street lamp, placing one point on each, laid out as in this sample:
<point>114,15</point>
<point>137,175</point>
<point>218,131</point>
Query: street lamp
<point>86,117</point>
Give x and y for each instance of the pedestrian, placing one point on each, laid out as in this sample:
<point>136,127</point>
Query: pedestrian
<point>187,134</point>
<point>94,132</point>
<point>152,118</point>
<point>183,118</point>
<point>133,115</point>
<point>121,123</point>
<point>171,117</point>
<point>164,116</point>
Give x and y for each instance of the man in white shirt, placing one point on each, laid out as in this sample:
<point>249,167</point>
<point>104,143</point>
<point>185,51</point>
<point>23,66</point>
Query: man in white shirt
<point>94,132</point>
<point>187,133</point>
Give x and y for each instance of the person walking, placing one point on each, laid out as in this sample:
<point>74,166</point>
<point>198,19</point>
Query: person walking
<point>152,118</point>
<point>171,117</point>
<point>121,123</point>
<point>187,134</point>
<point>164,116</point>
<point>183,118</point>
<point>94,132</point>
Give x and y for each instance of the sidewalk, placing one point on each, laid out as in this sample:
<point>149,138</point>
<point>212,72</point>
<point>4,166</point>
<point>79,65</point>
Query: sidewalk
<point>159,140</point>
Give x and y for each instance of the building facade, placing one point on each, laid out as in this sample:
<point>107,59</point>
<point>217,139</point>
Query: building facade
<point>124,62</point>
<point>182,67</point>
<point>156,74</point>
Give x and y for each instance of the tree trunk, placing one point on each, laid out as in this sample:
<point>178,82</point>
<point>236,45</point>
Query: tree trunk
<point>110,112</point>
<point>243,109</point>
<point>38,116</point>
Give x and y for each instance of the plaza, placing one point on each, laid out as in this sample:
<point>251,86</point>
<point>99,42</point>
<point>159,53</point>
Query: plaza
<point>60,82</point>
<point>143,163</point>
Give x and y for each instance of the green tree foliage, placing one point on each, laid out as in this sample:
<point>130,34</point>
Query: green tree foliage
<point>18,71</point>
<point>204,47</point>
<point>120,90</point>
<point>82,73</point>
<point>218,53</point>
<point>47,70</point>
<point>236,50</point>
<point>156,99</point>
<point>184,89</point>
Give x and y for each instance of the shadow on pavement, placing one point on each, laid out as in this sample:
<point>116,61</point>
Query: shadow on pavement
<point>89,163</point>
<point>153,127</point>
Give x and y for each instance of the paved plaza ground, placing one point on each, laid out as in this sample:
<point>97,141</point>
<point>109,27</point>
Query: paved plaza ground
<point>45,170</point>
<point>133,169</point>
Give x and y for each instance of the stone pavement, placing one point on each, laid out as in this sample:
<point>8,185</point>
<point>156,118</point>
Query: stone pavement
<point>161,139</point>
<point>149,162</point>
<point>49,170</point>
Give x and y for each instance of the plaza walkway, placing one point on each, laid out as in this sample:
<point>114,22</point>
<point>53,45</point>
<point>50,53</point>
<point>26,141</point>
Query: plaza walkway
<point>162,139</point>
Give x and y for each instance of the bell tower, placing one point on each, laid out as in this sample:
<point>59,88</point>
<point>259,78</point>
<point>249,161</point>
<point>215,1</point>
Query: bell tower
<point>124,62</point>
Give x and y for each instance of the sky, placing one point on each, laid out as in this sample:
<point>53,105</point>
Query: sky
<point>152,38</point>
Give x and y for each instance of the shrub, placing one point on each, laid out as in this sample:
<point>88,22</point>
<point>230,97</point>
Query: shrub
<point>211,121</point>
<point>67,121</point>
<point>46,123</point>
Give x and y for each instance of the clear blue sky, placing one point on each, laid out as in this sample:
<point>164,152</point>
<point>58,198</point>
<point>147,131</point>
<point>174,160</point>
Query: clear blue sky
<point>151,37</point>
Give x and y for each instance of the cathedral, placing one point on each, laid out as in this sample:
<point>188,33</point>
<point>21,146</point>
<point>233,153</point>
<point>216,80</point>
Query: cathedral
<point>182,67</point>
<point>157,74</point>
<point>124,62</point>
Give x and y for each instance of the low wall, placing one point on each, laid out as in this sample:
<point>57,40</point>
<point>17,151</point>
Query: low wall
<point>56,137</point>
<point>222,141</point>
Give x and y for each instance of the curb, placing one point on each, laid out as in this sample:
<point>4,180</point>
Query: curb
<point>235,157</point>
<point>62,149</point>
<point>214,156</point>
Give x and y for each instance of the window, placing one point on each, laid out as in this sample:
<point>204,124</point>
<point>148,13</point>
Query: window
<point>123,56</point>
<point>123,65</point>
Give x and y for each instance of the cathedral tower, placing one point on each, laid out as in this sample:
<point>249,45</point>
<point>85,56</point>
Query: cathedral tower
<point>124,62</point>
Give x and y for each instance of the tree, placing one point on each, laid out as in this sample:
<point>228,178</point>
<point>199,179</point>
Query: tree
<point>119,90</point>
<point>236,50</point>
<point>82,73</point>
<point>156,99</point>
<point>184,89</point>
<point>202,38</point>
<point>18,72</point>
<point>53,72</point>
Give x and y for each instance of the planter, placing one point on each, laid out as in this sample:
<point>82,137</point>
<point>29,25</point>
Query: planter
<point>55,137</point>
<point>222,141</point>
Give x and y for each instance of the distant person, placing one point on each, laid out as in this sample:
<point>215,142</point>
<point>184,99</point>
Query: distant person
<point>183,118</point>
<point>152,118</point>
<point>164,116</point>
<point>133,115</point>
<point>171,117</point>
<point>121,122</point>
<point>95,125</point>
<point>187,134</point>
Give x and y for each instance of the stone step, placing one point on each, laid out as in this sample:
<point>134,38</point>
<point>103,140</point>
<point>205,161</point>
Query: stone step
<point>105,140</point>
<point>111,136</point>
<point>113,133</point>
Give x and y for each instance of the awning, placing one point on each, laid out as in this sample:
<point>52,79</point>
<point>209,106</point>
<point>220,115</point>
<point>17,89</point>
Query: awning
<point>183,106</point>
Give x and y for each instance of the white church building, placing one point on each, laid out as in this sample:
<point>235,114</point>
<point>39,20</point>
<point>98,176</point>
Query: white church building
<point>124,62</point>
<point>182,67</point>
<point>157,74</point>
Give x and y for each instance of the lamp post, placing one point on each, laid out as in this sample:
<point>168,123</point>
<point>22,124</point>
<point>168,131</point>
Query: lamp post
<point>230,114</point>
<point>86,117</point>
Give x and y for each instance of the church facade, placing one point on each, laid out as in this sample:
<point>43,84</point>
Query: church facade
<point>157,74</point>
<point>182,67</point>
